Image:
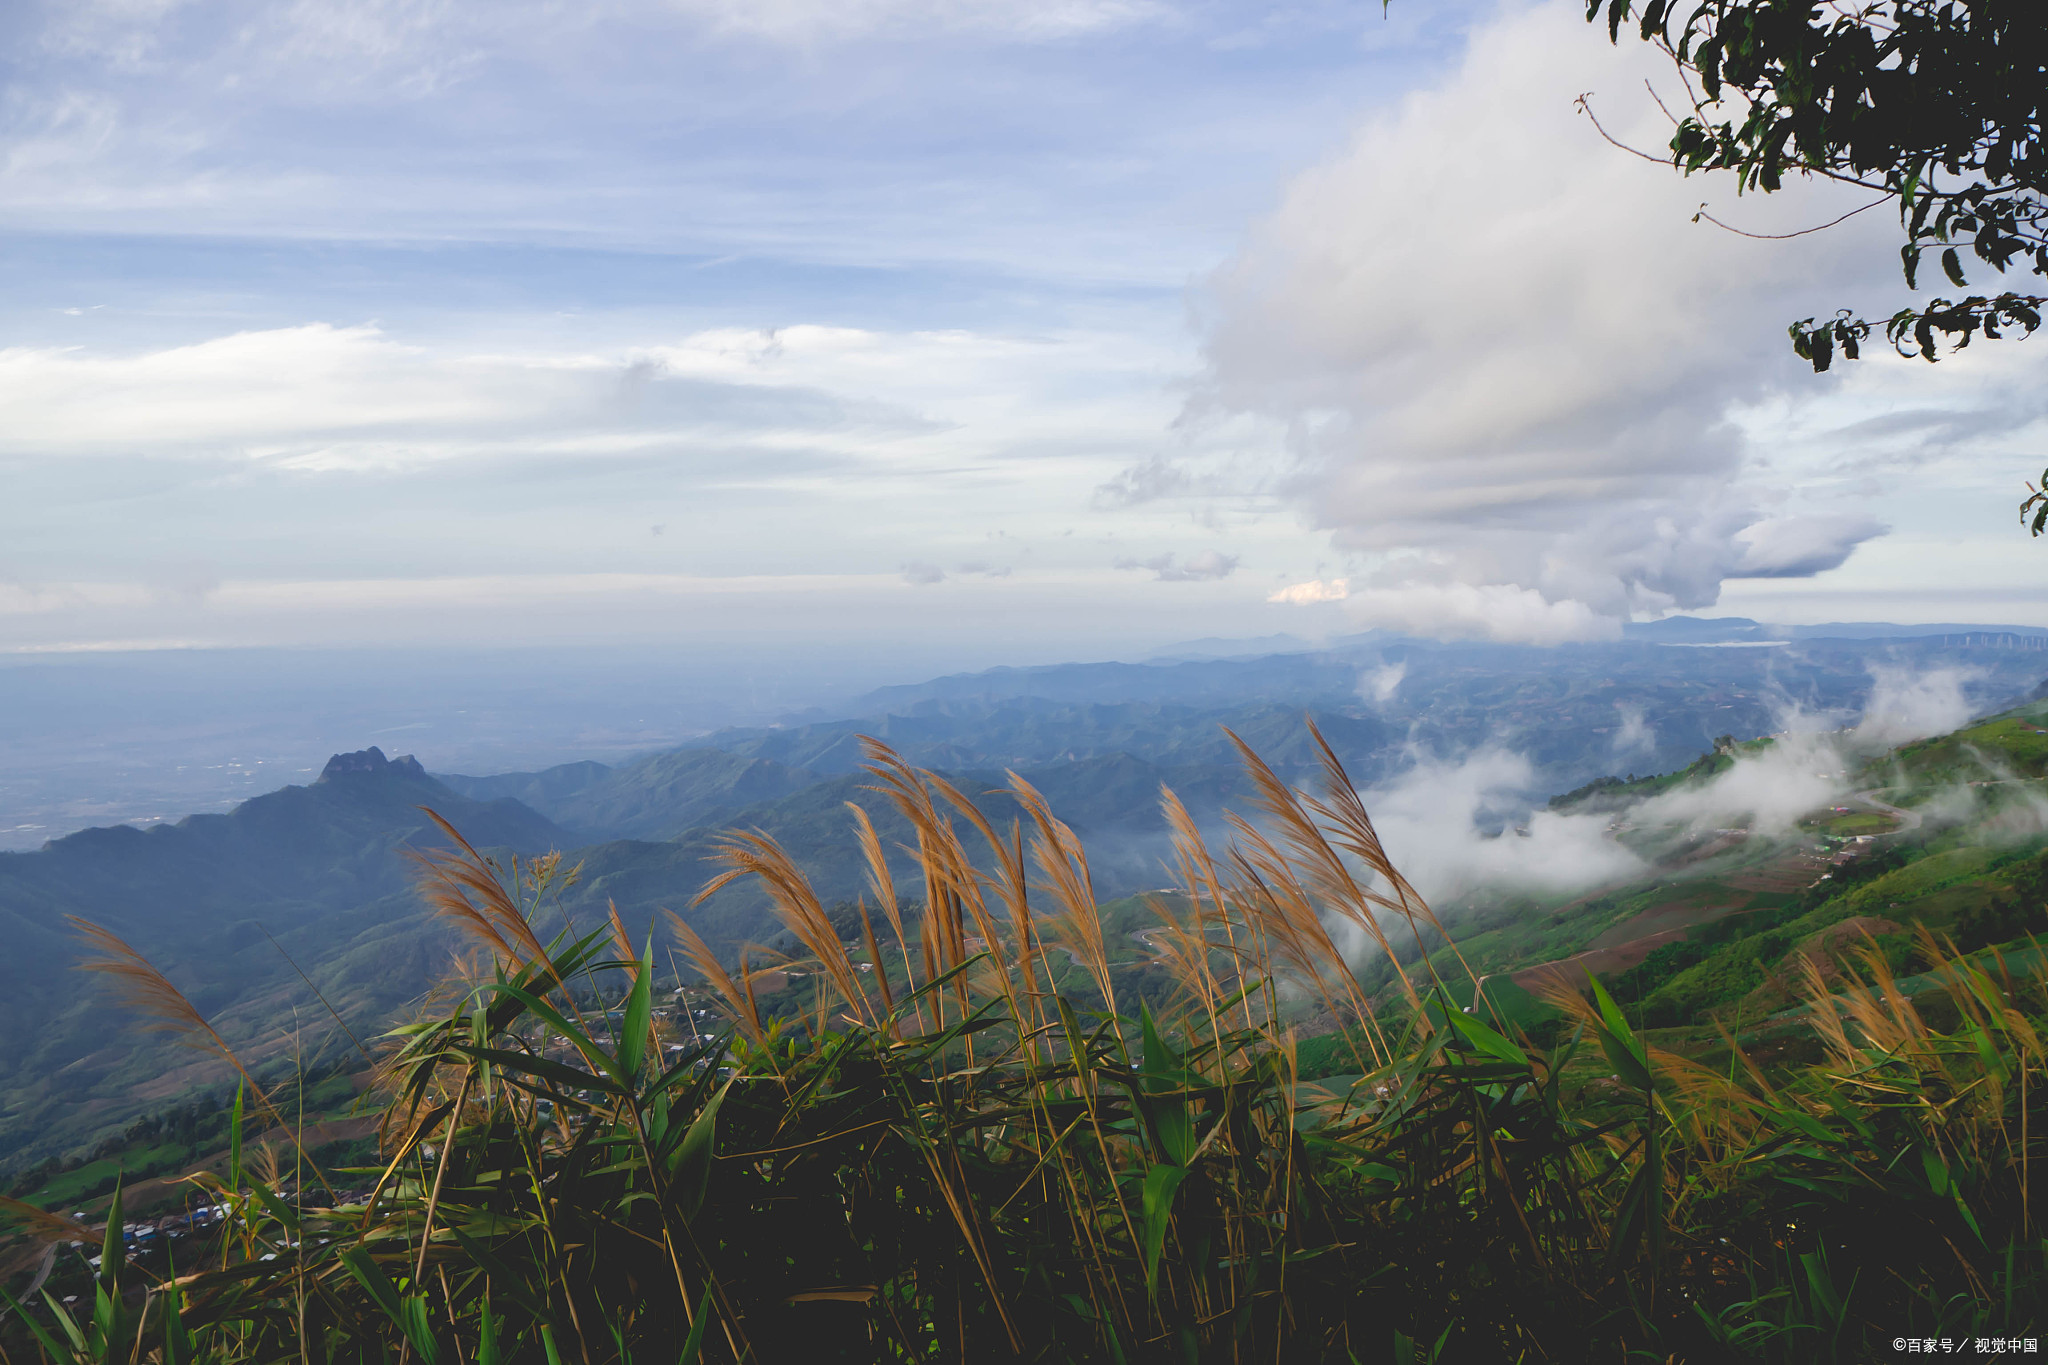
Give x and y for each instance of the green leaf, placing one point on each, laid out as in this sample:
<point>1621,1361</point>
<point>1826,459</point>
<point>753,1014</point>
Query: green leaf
<point>1633,1218</point>
<point>418,1327</point>
<point>408,1312</point>
<point>1955,1192</point>
<point>1485,1039</point>
<point>1162,1067</point>
<point>576,1037</point>
<point>690,1168</point>
<point>486,1334</point>
<point>286,1216</point>
<point>561,1073</point>
<point>67,1322</point>
<point>372,1278</point>
<point>693,1345</point>
<point>1821,1285</point>
<point>43,1338</point>
<point>235,1140</point>
<point>113,1249</point>
<point>1624,1052</point>
<point>1172,1123</point>
<point>639,1014</point>
<point>1161,1184</point>
<point>1167,1115</point>
<point>178,1347</point>
<point>503,1280</point>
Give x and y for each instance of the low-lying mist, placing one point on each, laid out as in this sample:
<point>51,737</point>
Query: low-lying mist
<point>1473,823</point>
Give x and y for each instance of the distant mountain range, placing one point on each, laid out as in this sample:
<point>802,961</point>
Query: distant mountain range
<point>312,879</point>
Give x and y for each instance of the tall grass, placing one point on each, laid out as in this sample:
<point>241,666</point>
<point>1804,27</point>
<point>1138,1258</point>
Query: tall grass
<point>961,1144</point>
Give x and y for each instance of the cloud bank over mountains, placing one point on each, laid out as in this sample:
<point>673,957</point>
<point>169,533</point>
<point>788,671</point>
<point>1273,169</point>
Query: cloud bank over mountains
<point>1510,372</point>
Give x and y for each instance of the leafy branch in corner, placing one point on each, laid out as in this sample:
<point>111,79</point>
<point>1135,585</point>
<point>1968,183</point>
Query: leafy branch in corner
<point>1933,105</point>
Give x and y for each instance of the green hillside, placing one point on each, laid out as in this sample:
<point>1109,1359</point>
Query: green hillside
<point>1704,942</point>
<point>654,798</point>
<point>321,871</point>
<point>319,868</point>
<point>1088,1137</point>
<point>1713,930</point>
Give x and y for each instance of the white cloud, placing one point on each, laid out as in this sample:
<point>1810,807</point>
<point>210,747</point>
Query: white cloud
<point>320,397</point>
<point>1905,705</point>
<point>1765,791</point>
<point>1436,816</point>
<point>1380,685</point>
<point>1799,547</point>
<point>1484,611</point>
<point>1431,820</point>
<point>812,21</point>
<point>179,474</point>
<point>1206,565</point>
<point>1315,590</point>
<point>1507,365</point>
<point>1634,733</point>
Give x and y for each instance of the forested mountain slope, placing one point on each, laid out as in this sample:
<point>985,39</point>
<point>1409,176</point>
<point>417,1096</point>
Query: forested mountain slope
<point>320,868</point>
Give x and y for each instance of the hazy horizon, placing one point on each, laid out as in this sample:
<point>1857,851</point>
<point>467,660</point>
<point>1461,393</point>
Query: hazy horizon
<point>111,737</point>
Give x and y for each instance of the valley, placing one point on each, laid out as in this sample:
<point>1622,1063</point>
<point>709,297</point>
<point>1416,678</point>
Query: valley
<point>294,914</point>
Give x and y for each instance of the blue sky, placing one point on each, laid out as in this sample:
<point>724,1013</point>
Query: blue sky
<point>975,331</point>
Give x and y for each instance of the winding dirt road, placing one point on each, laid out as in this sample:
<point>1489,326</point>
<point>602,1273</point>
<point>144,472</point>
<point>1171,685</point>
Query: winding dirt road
<point>1908,819</point>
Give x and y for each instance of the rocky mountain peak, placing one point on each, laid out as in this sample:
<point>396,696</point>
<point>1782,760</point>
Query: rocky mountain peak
<point>372,760</point>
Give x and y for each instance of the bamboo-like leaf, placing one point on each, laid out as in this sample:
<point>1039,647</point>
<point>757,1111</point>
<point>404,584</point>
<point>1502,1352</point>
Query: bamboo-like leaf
<point>693,1344</point>
<point>487,1334</point>
<point>1162,1182</point>
<point>1619,1042</point>
<point>527,1064</point>
<point>638,1017</point>
<point>43,1339</point>
<point>690,1166</point>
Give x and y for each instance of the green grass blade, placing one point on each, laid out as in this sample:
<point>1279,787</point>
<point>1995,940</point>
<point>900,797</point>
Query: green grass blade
<point>693,1345</point>
<point>638,1016</point>
<point>43,1338</point>
<point>1162,1182</point>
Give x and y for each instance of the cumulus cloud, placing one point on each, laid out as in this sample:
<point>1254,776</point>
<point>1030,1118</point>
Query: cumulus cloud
<point>920,574</point>
<point>1206,565</point>
<point>1508,365</point>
